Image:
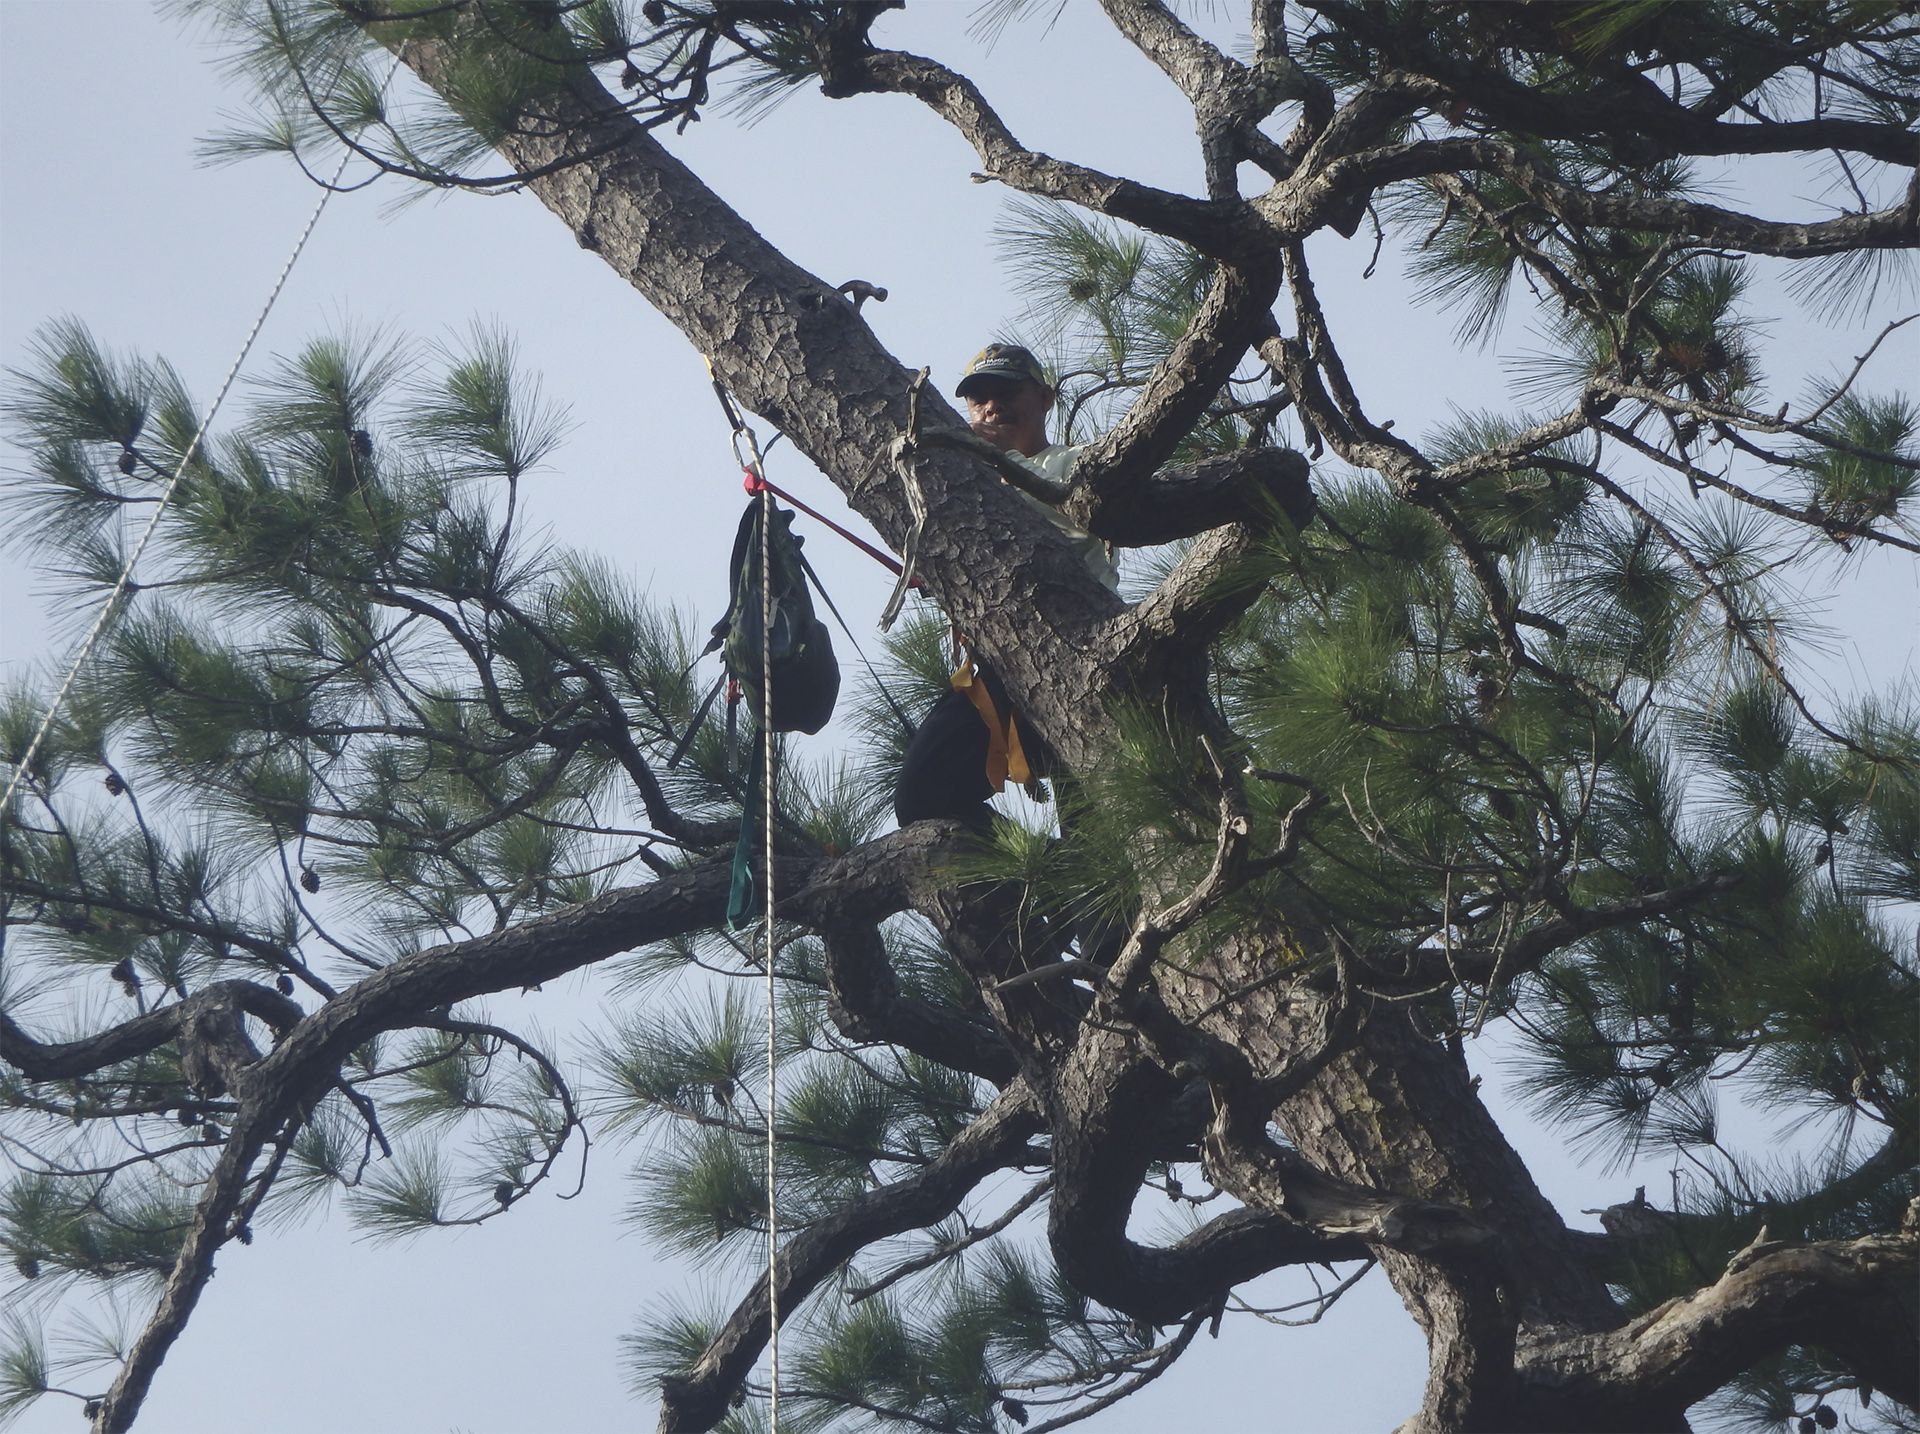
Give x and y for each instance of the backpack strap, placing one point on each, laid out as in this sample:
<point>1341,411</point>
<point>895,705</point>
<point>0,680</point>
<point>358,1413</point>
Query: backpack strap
<point>740,912</point>
<point>699,716</point>
<point>906,723</point>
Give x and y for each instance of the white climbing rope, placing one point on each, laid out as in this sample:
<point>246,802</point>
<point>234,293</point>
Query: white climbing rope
<point>766,921</point>
<point>120,586</point>
<point>753,464</point>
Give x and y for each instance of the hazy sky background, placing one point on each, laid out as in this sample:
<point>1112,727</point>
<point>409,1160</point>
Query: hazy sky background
<point>105,214</point>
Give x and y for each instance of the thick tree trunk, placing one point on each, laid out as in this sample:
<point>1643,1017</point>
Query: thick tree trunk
<point>1394,1109</point>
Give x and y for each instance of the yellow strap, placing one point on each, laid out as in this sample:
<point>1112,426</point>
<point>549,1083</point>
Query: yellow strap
<point>1005,756</point>
<point>1017,767</point>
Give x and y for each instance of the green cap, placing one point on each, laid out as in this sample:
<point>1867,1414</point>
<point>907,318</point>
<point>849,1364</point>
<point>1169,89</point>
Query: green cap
<point>1002,361</point>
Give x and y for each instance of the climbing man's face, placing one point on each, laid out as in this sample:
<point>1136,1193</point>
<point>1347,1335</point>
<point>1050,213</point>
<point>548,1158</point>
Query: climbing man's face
<point>1011,414</point>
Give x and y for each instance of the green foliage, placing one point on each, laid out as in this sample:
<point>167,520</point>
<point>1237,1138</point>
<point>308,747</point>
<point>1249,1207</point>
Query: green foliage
<point>403,1197</point>
<point>25,1374</point>
<point>328,717</point>
<point>93,1227</point>
<point>670,1339</point>
<point>323,1157</point>
<point>1114,298</point>
<point>1846,476</point>
<point>702,1194</point>
<point>350,712</point>
<point>960,1348</point>
<point>699,1062</point>
<point>483,420</point>
<point>1369,668</point>
<point>442,1079</point>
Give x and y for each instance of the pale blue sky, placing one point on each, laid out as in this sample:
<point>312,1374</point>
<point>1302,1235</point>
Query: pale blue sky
<point>105,214</point>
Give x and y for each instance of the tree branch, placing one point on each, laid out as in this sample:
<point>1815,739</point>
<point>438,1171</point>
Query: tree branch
<point>1206,590</point>
<point>1116,467</point>
<point>1105,1101</point>
<point>865,1004</point>
<point>1895,228</point>
<point>1851,1297</point>
<point>1221,230</point>
<point>1572,923</point>
<point>66,1060</point>
<point>1630,113</point>
<point>996,1139</point>
<point>1242,1160</point>
<point>1180,500</point>
<point>192,1268</point>
<point>1229,100</point>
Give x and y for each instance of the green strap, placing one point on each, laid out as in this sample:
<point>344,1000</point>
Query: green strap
<point>740,903</point>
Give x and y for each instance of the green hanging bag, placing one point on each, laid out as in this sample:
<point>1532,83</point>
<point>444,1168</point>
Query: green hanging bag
<point>806,676</point>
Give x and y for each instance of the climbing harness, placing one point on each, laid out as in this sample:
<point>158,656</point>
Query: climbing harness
<point>125,580</point>
<point>1006,755</point>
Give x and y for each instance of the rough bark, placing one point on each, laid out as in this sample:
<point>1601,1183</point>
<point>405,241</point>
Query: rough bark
<point>1854,1298</point>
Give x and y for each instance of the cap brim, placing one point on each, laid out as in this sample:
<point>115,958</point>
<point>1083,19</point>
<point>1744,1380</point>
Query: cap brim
<point>992,375</point>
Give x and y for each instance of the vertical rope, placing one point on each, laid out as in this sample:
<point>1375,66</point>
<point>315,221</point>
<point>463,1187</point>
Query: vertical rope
<point>105,615</point>
<point>766,927</point>
<point>755,469</point>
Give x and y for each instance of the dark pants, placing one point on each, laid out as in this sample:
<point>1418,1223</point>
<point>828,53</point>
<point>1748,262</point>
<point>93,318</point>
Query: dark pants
<point>945,771</point>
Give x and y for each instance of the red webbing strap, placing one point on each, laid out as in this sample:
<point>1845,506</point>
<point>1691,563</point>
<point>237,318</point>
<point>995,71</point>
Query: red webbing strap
<point>756,481</point>
<point>753,484</point>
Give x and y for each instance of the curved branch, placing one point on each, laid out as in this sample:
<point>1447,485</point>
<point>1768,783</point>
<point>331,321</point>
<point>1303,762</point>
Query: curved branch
<point>877,879</point>
<point>213,1221</point>
<point>1895,228</point>
<point>1117,467</point>
<point>1210,586</point>
<point>1229,99</point>
<point>1181,500</point>
<point>1250,1166</point>
<point>1854,1297</point>
<point>1629,111</point>
<point>864,1002</point>
<point>996,1139</point>
<point>1534,945</point>
<point>1104,1101</point>
<point>1219,229</point>
<point>66,1060</point>
<point>874,880</point>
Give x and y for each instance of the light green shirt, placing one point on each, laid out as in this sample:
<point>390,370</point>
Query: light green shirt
<point>1055,462</point>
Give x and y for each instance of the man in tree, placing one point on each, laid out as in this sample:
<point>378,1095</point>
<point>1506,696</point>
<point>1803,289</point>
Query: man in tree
<point>1513,736</point>
<point>970,740</point>
<point>1009,398</point>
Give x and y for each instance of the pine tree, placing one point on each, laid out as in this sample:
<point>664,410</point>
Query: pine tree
<point>1396,740</point>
